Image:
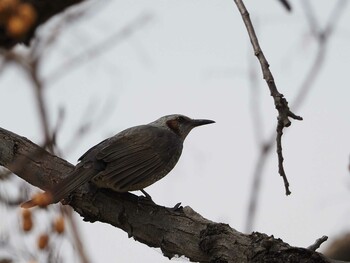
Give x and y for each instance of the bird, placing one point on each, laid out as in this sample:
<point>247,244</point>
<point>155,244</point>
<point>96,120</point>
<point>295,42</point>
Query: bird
<point>131,160</point>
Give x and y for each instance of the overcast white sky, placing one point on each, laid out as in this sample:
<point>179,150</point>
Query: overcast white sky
<point>194,58</point>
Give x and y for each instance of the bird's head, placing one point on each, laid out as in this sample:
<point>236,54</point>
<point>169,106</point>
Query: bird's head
<point>180,124</point>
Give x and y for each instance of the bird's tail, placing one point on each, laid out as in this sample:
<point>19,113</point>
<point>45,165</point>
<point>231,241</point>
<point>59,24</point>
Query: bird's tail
<point>60,191</point>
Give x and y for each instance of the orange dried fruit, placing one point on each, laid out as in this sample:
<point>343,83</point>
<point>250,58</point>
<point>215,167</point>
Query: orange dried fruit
<point>27,13</point>
<point>26,213</point>
<point>27,225</point>
<point>8,6</point>
<point>43,241</point>
<point>16,27</point>
<point>59,225</point>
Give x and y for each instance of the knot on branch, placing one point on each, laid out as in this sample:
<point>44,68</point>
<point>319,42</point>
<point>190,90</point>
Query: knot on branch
<point>212,242</point>
<point>284,112</point>
<point>281,105</point>
<point>267,243</point>
<point>267,249</point>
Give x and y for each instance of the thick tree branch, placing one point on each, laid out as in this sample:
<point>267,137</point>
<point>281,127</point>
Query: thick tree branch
<point>179,231</point>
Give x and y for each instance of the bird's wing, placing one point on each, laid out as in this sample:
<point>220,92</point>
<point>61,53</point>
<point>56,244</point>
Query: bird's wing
<point>131,160</point>
<point>92,149</point>
<point>134,160</point>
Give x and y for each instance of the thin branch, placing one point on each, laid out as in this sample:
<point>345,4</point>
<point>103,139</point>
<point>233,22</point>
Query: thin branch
<point>12,201</point>
<point>333,18</point>
<point>304,90</point>
<point>281,103</point>
<point>256,186</point>
<point>49,143</point>
<point>99,48</point>
<point>280,157</point>
<point>40,44</point>
<point>67,211</point>
<point>286,5</point>
<point>254,99</point>
<point>92,117</point>
<point>39,96</point>
<point>31,67</point>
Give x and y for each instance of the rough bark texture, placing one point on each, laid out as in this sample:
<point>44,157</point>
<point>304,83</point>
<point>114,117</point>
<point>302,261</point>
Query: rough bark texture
<point>178,231</point>
<point>45,9</point>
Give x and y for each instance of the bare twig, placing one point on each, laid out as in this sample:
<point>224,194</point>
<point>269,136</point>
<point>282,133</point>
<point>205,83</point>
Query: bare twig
<point>92,117</point>
<point>30,64</point>
<point>11,201</point>
<point>41,44</point>
<point>256,186</point>
<point>254,99</point>
<point>317,243</point>
<point>281,103</point>
<point>38,90</point>
<point>280,157</point>
<point>49,142</point>
<point>31,68</point>
<point>286,5</point>
<point>67,211</point>
<point>99,48</point>
<point>304,89</point>
<point>322,36</point>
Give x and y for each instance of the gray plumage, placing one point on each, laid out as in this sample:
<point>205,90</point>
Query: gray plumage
<point>132,159</point>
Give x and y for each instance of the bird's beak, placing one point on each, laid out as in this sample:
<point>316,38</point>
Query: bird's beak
<point>200,122</point>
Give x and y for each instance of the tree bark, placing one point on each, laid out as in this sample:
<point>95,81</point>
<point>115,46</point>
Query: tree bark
<point>176,231</point>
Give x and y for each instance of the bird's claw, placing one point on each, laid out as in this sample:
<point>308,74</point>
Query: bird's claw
<point>175,208</point>
<point>146,198</point>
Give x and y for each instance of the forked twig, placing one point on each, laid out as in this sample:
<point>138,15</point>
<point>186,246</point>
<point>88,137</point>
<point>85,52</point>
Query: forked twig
<point>281,104</point>
<point>322,35</point>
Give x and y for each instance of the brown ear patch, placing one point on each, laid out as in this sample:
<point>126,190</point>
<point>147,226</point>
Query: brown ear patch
<point>174,126</point>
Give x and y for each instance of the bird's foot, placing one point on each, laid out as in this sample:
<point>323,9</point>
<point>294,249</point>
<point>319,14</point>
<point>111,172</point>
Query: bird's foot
<point>146,198</point>
<point>176,207</point>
